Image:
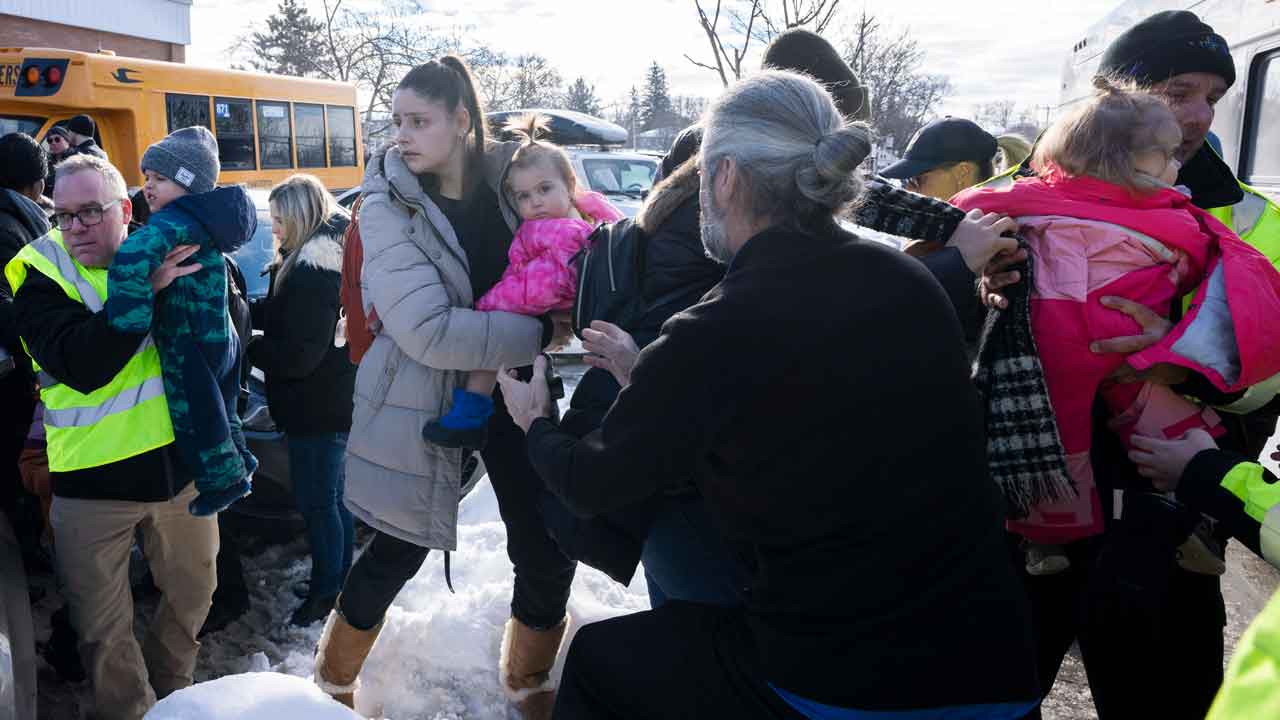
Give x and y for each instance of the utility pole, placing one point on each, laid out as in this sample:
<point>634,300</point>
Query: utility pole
<point>1047,109</point>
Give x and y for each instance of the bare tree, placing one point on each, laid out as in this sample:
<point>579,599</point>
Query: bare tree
<point>731,26</point>
<point>902,96</point>
<point>998,115</point>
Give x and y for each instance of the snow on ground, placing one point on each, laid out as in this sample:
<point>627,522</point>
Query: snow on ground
<point>437,656</point>
<point>251,696</point>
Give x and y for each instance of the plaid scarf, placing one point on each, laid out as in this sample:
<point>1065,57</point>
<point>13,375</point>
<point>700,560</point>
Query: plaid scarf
<point>1024,450</point>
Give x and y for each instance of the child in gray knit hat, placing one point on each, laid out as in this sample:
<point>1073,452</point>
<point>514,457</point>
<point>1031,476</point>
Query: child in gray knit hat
<point>189,322</point>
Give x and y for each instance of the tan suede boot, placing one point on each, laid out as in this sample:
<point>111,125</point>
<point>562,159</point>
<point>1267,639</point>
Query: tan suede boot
<point>525,667</point>
<point>340,655</point>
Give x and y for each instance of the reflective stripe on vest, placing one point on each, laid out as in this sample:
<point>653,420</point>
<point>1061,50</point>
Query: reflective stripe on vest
<point>126,417</point>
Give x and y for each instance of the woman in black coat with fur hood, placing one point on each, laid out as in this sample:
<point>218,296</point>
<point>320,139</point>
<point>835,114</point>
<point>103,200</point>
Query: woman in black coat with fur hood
<point>310,379</point>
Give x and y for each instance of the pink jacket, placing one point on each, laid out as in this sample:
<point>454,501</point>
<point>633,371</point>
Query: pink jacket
<point>1090,238</point>
<point>541,277</point>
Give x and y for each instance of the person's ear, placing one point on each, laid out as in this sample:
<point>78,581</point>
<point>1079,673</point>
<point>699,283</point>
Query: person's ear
<point>126,210</point>
<point>726,181</point>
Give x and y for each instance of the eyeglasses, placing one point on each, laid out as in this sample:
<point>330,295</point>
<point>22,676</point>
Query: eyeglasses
<point>56,138</point>
<point>88,217</point>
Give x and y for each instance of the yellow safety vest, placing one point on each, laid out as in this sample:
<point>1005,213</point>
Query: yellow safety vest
<point>126,417</point>
<point>1251,688</point>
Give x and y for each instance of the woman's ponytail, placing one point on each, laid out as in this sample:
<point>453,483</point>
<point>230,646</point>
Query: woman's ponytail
<point>469,100</point>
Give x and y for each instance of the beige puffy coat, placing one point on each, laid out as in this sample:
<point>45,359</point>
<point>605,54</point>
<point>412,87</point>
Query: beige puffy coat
<point>417,276</point>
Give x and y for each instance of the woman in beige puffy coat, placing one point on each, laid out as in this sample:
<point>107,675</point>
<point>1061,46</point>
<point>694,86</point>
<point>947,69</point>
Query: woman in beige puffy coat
<point>435,224</point>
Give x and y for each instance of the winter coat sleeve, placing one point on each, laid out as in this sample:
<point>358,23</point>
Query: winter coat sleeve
<point>77,347</point>
<point>948,267</point>
<point>130,301</point>
<point>1242,495</point>
<point>680,395</point>
<point>301,320</point>
<point>413,303</point>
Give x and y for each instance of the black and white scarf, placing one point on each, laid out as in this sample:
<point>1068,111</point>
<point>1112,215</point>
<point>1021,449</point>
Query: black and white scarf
<point>1024,450</point>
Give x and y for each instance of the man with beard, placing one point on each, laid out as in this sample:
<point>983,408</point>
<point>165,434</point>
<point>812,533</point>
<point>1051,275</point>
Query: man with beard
<point>878,580</point>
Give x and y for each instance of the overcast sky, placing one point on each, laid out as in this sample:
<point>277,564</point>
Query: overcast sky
<point>990,49</point>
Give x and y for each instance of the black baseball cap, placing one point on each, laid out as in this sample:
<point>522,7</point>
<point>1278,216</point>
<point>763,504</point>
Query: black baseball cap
<point>944,141</point>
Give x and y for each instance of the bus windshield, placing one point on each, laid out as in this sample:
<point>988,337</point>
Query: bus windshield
<point>20,124</point>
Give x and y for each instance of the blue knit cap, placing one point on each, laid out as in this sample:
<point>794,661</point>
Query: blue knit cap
<point>188,157</point>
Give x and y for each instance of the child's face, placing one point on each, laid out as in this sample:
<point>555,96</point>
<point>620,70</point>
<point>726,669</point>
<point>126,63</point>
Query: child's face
<point>160,190</point>
<point>540,192</point>
<point>1158,164</point>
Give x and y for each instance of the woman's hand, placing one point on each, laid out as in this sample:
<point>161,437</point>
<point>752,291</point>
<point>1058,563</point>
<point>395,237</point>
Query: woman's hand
<point>1163,461</point>
<point>1154,328</point>
<point>610,348</point>
<point>981,236</point>
<point>996,276</point>
<point>526,401</point>
<point>172,268</point>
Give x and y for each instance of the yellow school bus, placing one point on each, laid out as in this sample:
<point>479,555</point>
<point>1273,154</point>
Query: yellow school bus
<point>267,126</point>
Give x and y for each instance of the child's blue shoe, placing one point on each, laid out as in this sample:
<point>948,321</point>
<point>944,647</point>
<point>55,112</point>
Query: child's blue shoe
<point>466,425</point>
<point>215,501</point>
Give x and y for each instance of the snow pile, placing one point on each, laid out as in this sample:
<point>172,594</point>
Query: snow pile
<point>251,696</point>
<point>437,656</point>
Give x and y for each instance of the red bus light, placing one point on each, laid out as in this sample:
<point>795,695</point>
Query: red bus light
<point>53,76</point>
<point>32,76</point>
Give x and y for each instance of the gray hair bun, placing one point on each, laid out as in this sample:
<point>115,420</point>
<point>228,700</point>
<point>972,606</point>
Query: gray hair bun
<point>830,181</point>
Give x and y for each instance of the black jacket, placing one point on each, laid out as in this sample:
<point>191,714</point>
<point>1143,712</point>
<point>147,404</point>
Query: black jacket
<point>80,349</point>
<point>89,147</point>
<point>21,221</point>
<point>310,381</point>
<point>822,392</point>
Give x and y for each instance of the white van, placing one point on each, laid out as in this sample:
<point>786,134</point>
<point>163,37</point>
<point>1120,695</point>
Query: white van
<point>1247,121</point>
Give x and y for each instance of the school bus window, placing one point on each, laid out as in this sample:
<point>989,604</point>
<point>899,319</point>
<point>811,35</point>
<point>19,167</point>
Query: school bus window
<point>233,124</point>
<point>275,143</point>
<point>187,111</point>
<point>309,130</point>
<point>1262,141</point>
<point>342,136</point>
<point>20,124</point>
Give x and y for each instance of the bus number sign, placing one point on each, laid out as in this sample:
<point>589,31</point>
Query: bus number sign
<point>9,75</point>
<point>222,110</point>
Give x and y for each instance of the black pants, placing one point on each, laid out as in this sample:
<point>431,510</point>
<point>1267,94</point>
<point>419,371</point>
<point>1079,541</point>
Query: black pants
<point>1170,669</point>
<point>543,574</point>
<point>679,661</point>
<point>231,588</point>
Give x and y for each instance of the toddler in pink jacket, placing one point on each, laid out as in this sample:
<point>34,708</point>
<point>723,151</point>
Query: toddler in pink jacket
<point>557,219</point>
<point>1102,218</point>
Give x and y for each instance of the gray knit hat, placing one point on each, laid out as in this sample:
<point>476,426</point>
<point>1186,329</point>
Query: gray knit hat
<point>188,157</point>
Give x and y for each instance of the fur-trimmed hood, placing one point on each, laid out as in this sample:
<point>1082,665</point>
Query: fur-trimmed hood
<point>324,250</point>
<point>668,195</point>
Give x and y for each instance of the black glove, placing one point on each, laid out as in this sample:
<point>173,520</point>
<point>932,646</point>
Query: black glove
<point>1131,577</point>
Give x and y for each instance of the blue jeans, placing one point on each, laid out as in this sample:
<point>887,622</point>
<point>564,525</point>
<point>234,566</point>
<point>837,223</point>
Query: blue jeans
<point>317,470</point>
<point>687,558</point>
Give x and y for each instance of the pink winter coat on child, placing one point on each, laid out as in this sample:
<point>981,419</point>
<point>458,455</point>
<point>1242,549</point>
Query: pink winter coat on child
<point>1089,239</point>
<point>541,277</point>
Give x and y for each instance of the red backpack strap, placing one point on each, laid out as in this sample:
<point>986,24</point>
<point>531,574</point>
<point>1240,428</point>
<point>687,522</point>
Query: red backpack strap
<point>359,337</point>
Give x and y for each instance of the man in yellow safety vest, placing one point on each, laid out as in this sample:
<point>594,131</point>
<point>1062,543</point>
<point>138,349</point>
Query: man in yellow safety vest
<point>111,457</point>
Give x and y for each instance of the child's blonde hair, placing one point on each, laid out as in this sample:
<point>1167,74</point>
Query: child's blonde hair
<point>303,205</point>
<point>1103,136</point>
<point>530,128</point>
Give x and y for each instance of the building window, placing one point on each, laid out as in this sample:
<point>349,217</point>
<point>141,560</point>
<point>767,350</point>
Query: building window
<point>187,111</point>
<point>233,124</point>
<point>1262,139</point>
<point>342,136</point>
<point>275,139</point>
<point>310,134</point>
